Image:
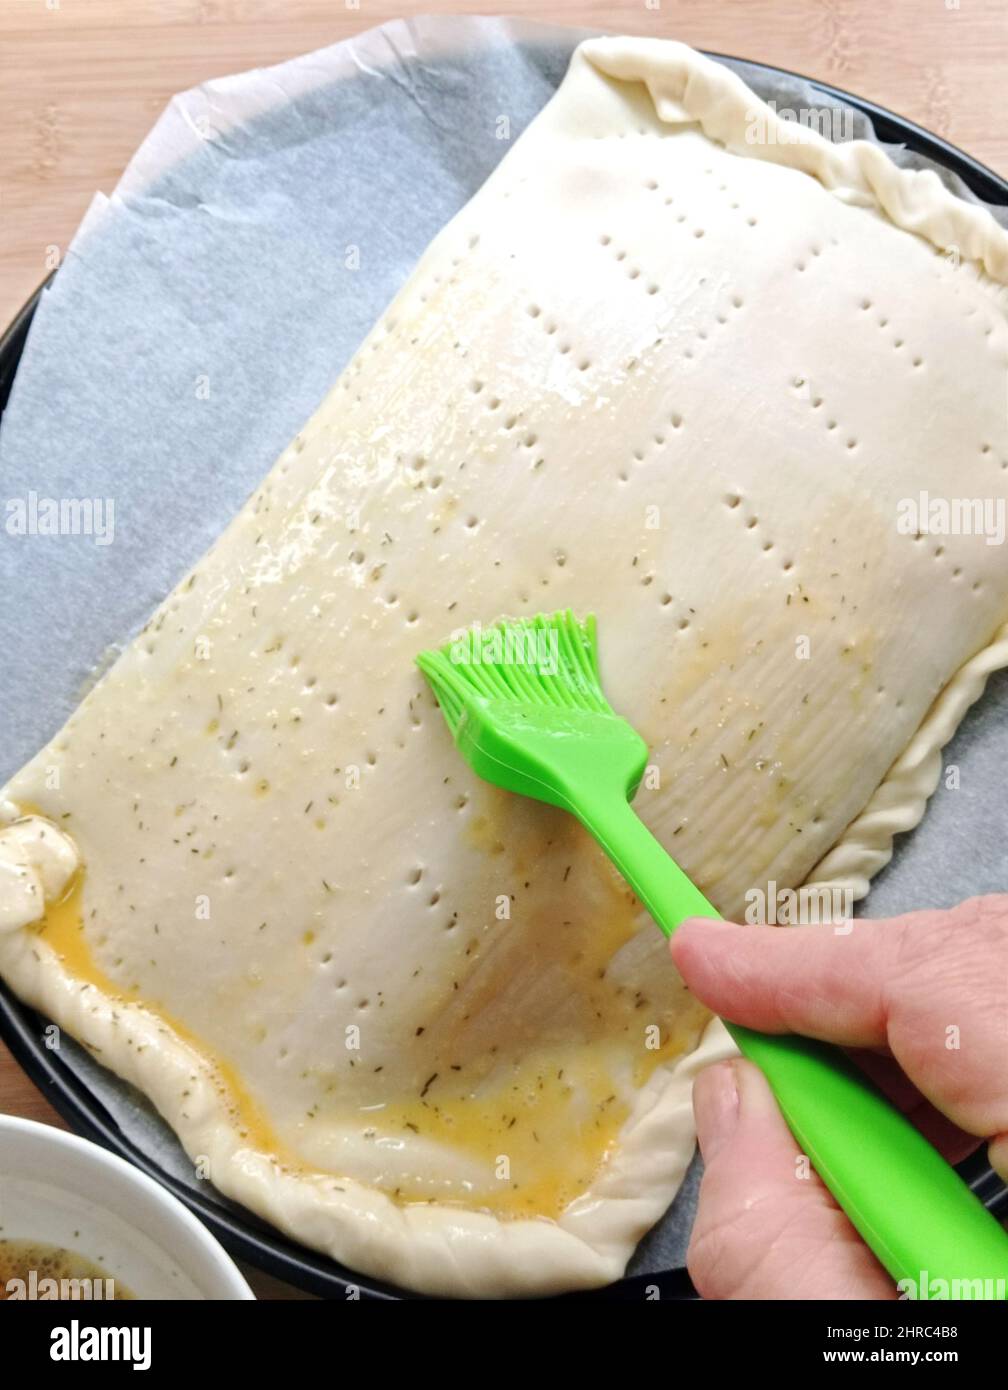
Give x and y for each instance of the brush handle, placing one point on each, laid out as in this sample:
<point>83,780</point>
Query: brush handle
<point>912,1209</point>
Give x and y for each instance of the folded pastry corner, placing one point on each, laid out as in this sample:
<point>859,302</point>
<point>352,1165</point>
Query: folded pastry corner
<point>653,370</point>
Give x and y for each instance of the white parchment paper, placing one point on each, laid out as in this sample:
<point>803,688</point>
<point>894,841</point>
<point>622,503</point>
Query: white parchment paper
<point>199,317</point>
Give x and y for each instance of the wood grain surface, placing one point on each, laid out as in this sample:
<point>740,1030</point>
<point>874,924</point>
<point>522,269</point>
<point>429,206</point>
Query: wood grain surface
<point>82,81</point>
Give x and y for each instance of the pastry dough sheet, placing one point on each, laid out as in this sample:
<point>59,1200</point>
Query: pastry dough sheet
<point>592,392</point>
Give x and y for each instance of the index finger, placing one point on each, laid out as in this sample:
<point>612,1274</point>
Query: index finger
<point>931,986</point>
<point>821,981</point>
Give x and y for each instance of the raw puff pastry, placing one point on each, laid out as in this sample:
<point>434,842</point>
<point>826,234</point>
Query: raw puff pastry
<point>651,370</point>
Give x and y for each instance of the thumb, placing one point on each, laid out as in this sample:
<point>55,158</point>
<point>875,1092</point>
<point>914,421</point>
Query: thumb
<point>766,1227</point>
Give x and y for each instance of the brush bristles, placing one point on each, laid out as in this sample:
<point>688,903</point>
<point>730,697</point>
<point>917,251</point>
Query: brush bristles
<point>545,660</point>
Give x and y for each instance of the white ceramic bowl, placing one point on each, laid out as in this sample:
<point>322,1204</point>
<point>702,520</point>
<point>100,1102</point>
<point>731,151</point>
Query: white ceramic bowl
<point>58,1189</point>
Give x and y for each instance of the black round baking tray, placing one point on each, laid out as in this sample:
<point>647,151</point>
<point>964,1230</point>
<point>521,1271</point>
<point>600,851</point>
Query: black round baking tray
<point>242,1233</point>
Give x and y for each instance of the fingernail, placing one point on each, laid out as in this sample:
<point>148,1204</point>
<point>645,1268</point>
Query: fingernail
<point>715,1107</point>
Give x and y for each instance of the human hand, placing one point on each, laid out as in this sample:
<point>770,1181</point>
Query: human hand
<point>922,1003</point>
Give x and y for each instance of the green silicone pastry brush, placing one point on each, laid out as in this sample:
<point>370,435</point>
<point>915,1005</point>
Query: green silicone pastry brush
<point>525,706</point>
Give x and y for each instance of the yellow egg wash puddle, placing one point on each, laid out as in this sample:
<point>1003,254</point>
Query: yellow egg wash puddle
<point>564,1103</point>
<point>62,929</point>
<point>558,1105</point>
